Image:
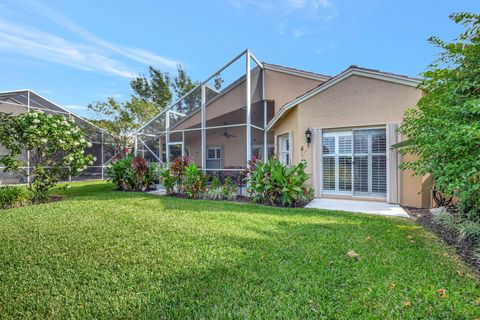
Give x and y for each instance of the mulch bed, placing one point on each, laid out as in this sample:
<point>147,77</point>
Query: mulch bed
<point>464,248</point>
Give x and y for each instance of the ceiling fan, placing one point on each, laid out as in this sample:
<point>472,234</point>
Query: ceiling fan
<point>227,135</point>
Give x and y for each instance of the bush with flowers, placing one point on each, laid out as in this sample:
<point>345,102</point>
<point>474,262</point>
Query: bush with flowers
<point>56,147</point>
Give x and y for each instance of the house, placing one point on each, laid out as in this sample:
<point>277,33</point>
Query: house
<point>342,126</point>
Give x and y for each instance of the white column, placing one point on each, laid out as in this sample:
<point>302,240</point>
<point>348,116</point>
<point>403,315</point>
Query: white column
<point>265,112</point>
<point>204,133</point>
<point>28,151</point>
<point>136,146</point>
<point>101,155</point>
<point>167,138</point>
<point>392,164</point>
<point>248,108</point>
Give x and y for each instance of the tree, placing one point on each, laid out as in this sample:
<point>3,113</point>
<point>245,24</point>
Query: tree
<point>151,95</point>
<point>55,144</point>
<point>444,129</point>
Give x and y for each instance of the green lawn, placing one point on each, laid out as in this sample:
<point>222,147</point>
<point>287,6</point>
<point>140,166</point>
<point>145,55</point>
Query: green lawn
<point>106,254</point>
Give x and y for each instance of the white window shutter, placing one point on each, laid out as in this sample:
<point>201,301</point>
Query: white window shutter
<point>290,150</point>
<point>317,156</point>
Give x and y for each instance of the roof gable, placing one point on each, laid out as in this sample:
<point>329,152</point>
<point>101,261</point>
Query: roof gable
<point>350,71</point>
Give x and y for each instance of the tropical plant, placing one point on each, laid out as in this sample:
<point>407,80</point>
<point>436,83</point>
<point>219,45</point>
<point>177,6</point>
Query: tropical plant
<point>56,148</point>
<point>13,197</point>
<point>217,191</point>
<point>168,181</point>
<point>443,131</point>
<point>194,182</point>
<point>154,173</point>
<point>213,194</point>
<point>140,169</point>
<point>229,189</point>
<point>177,169</point>
<point>122,174</point>
<point>274,183</point>
<point>215,184</point>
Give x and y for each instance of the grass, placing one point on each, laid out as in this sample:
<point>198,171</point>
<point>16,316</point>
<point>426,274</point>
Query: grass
<point>105,254</point>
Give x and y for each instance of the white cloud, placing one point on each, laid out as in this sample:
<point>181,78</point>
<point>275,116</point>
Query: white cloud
<point>75,107</point>
<point>45,46</point>
<point>136,54</point>
<point>91,53</point>
<point>294,18</point>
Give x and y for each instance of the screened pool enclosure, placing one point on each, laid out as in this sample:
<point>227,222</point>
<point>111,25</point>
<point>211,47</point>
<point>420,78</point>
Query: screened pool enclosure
<point>220,124</point>
<point>103,144</point>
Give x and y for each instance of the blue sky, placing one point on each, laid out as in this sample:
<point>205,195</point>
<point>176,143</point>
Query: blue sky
<point>77,52</point>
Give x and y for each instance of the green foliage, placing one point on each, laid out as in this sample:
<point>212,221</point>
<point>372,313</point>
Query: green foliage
<point>213,194</point>
<point>13,197</point>
<point>140,169</point>
<point>446,219</point>
<point>56,146</point>
<point>168,181</point>
<point>151,95</point>
<point>468,230</point>
<point>121,174</point>
<point>133,173</point>
<point>154,174</point>
<point>444,129</point>
<point>229,189</point>
<point>194,182</point>
<point>215,183</point>
<point>156,257</point>
<point>217,191</point>
<point>276,184</point>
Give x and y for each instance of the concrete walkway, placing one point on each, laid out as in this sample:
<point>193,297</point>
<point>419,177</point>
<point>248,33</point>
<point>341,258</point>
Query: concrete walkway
<point>370,207</point>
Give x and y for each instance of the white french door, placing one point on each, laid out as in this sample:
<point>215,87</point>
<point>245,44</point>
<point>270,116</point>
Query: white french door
<point>354,163</point>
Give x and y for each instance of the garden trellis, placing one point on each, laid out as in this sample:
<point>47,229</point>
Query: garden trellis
<point>103,144</point>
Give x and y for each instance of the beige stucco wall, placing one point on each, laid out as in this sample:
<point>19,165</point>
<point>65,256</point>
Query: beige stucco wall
<point>355,102</point>
<point>283,87</point>
<point>12,108</point>
<point>234,148</point>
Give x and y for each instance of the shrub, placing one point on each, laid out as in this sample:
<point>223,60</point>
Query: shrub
<point>215,183</point>
<point>177,169</point>
<point>13,197</point>
<point>168,181</point>
<point>121,174</point>
<point>213,194</point>
<point>445,219</point>
<point>154,174</point>
<point>229,189</point>
<point>276,184</point>
<point>55,143</point>
<point>194,182</point>
<point>443,130</point>
<point>140,170</point>
<point>468,230</point>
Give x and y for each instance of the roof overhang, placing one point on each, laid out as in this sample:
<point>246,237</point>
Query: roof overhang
<point>412,82</point>
<point>295,72</point>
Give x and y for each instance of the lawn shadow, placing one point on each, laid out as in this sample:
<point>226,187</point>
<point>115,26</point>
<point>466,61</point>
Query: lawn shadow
<point>286,273</point>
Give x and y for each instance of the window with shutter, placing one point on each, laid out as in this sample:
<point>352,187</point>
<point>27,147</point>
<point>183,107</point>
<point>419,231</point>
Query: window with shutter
<point>284,145</point>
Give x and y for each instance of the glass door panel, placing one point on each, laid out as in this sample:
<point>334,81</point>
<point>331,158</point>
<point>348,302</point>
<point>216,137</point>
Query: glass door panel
<point>337,162</point>
<point>370,163</point>
<point>175,150</point>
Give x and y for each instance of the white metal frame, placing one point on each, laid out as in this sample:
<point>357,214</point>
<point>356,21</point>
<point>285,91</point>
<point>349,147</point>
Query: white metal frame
<point>203,128</point>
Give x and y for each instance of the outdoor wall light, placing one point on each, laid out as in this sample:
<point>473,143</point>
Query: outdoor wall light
<point>308,135</point>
